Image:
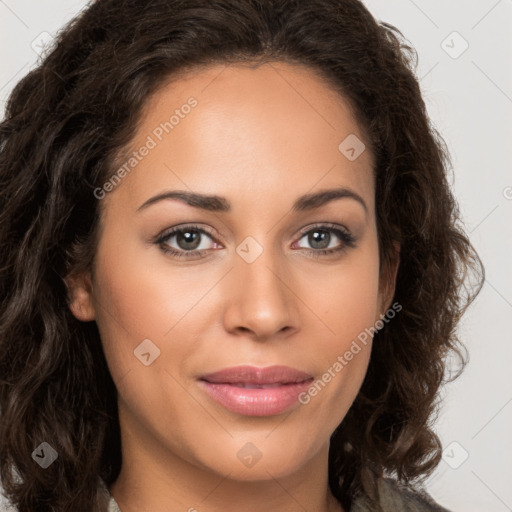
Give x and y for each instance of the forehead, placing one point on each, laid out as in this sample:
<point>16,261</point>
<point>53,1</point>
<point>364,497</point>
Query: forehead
<point>230,128</point>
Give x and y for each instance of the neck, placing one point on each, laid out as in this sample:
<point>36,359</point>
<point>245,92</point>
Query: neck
<point>153,478</point>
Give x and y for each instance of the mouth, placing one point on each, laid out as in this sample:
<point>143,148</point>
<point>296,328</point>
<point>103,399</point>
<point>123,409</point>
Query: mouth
<point>246,385</point>
<point>252,391</point>
<point>252,375</point>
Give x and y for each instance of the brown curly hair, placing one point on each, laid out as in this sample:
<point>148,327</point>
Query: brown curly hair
<point>66,123</point>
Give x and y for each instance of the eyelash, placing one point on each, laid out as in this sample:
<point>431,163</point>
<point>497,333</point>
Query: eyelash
<point>345,236</point>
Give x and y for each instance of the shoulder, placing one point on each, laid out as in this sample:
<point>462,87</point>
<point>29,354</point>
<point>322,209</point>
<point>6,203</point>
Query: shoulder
<point>397,497</point>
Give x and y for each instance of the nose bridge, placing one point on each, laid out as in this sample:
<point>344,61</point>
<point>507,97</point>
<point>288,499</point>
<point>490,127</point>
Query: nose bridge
<point>258,295</point>
<point>263,277</point>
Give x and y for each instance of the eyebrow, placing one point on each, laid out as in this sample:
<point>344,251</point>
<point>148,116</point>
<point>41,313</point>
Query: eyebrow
<point>215,203</point>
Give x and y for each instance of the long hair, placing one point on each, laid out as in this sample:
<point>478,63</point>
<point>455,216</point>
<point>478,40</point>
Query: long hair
<point>67,122</point>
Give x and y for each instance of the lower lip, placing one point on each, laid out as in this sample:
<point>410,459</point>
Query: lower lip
<point>256,402</point>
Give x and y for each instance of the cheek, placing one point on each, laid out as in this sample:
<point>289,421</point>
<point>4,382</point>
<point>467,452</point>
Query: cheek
<point>348,302</point>
<point>128,301</point>
<point>347,297</point>
<point>136,300</point>
<point>143,291</point>
<point>131,293</point>
<point>344,351</point>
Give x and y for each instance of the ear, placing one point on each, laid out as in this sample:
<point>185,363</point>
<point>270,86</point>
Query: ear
<point>387,283</point>
<point>80,296</point>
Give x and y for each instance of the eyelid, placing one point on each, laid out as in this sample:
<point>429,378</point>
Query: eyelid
<point>322,225</point>
<point>183,227</point>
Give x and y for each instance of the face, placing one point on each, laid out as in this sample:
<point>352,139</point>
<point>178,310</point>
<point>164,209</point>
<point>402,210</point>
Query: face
<point>267,272</point>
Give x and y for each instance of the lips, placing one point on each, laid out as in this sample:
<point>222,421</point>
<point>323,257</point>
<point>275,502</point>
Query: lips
<point>253,377</point>
<point>252,391</point>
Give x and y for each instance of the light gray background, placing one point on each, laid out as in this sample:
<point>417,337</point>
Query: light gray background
<point>469,98</point>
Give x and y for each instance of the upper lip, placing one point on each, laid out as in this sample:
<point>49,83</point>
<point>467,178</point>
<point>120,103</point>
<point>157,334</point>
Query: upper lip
<point>254,375</point>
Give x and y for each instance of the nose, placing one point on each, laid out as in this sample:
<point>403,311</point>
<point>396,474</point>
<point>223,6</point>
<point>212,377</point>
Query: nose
<point>260,300</point>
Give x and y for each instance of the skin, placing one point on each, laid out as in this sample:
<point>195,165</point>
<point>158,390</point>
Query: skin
<point>260,137</point>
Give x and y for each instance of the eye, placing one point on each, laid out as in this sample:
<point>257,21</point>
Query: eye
<point>189,241</point>
<point>321,239</point>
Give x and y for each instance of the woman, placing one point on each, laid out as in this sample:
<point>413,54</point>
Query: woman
<point>168,342</point>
